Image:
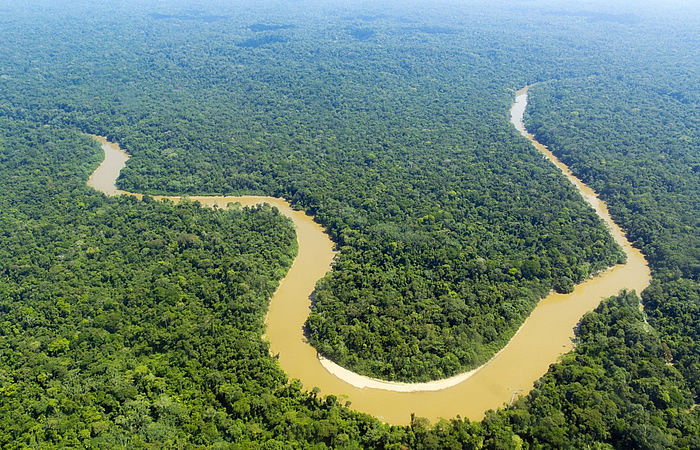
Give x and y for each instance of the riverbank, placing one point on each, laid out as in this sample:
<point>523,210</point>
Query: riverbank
<point>545,335</point>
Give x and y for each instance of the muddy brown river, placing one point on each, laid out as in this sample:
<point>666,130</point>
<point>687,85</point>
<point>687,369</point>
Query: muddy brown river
<point>543,337</point>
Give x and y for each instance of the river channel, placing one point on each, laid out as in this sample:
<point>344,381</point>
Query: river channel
<point>544,336</point>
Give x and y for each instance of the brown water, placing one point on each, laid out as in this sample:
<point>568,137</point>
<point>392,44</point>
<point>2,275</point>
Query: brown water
<point>544,336</point>
<point>104,178</point>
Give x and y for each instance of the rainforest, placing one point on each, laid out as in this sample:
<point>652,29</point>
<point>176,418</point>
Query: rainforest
<point>146,322</point>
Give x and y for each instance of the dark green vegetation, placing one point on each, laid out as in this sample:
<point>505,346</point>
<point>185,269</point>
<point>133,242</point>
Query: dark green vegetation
<point>400,145</point>
<point>119,316</point>
<point>616,388</point>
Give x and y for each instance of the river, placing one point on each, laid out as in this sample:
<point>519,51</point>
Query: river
<point>544,336</point>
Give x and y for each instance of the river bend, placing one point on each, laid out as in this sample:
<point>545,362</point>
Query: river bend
<point>544,336</point>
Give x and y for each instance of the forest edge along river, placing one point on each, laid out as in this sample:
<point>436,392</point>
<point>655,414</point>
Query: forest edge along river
<point>545,335</point>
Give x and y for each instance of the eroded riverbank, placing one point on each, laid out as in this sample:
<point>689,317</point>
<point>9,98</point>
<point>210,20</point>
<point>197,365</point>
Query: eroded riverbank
<point>542,338</point>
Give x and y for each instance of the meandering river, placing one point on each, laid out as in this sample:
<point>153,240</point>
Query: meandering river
<point>542,338</point>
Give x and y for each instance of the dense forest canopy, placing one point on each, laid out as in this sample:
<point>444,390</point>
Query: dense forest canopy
<point>450,227</point>
<point>139,323</point>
